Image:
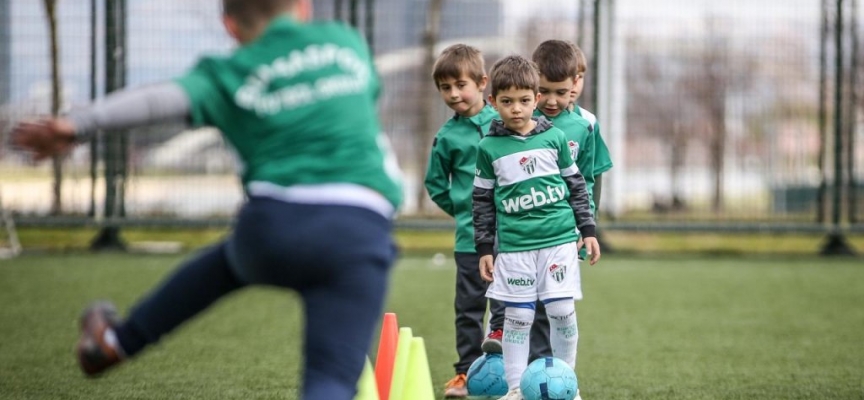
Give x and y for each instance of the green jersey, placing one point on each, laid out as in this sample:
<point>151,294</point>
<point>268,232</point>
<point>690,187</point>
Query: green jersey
<point>533,187</point>
<point>580,141</point>
<point>602,159</point>
<point>299,106</point>
<point>450,173</point>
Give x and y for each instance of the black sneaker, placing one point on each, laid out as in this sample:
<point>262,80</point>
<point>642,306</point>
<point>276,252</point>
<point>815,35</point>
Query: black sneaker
<point>492,343</point>
<point>95,355</point>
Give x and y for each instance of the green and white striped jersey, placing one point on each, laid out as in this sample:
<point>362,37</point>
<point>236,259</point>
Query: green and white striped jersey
<point>533,187</point>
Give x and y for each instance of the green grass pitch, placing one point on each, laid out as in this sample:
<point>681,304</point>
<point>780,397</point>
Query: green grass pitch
<point>650,328</point>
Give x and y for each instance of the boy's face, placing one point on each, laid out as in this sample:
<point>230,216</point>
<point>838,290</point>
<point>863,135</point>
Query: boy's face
<point>516,106</point>
<point>462,95</point>
<point>577,89</point>
<point>554,96</point>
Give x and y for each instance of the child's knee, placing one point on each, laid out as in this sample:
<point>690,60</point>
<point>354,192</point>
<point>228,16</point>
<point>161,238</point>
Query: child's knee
<point>560,310</point>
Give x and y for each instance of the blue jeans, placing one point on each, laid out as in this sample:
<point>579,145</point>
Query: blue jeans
<point>337,258</point>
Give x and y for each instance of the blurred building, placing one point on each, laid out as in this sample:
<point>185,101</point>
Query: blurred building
<point>400,24</point>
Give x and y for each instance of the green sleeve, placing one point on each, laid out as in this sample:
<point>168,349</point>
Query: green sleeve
<point>585,162</point>
<point>602,159</point>
<point>200,87</point>
<point>565,160</point>
<point>484,165</point>
<point>437,179</point>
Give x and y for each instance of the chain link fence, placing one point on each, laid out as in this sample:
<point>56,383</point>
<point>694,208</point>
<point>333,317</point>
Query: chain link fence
<point>716,114</point>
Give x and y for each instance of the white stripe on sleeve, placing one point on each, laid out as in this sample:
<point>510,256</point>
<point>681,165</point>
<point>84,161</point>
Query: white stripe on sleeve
<point>571,170</point>
<point>484,183</point>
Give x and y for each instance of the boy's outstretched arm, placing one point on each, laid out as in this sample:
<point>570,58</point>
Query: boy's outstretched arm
<point>165,102</point>
<point>437,179</point>
<point>158,103</point>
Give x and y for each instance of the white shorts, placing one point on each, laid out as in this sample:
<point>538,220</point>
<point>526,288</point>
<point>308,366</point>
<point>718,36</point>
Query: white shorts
<point>528,276</point>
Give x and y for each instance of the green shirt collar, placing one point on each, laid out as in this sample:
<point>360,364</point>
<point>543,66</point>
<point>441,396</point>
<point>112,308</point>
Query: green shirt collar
<point>485,116</point>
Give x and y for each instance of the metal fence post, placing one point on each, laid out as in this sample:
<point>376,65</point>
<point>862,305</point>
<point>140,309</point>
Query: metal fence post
<point>836,243</point>
<point>108,237</point>
<point>353,9</point>
<point>854,88</point>
<point>370,24</point>
<point>94,143</point>
<point>822,192</point>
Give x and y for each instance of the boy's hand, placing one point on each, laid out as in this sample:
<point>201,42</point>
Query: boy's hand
<point>593,248</point>
<point>487,266</point>
<point>45,138</point>
<point>579,244</point>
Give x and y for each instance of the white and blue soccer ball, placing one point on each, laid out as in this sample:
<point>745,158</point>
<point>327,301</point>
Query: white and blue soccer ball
<point>486,376</point>
<point>549,378</point>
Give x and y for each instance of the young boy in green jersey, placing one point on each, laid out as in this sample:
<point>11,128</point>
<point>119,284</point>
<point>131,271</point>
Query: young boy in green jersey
<point>529,193</point>
<point>556,64</point>
<point>459,75</point>
<point>297,101</point>
<point>602,159</point>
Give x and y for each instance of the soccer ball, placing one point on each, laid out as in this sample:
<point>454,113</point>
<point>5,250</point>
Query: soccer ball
<point>486,376</point>
<point>549,378</point>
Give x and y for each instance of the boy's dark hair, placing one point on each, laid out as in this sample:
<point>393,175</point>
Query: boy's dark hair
<point>514,72</point>
<point>581,61</point>
<point>459,59</point>
<point>249,12</point>
<point>556,60</point>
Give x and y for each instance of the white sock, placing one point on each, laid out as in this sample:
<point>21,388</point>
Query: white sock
<point>563,332</point>
<point>516,343</point>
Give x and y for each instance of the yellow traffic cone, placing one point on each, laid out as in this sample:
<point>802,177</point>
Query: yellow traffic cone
<point>367,389</point>
<point>418,379</point>
<point>400,365</point>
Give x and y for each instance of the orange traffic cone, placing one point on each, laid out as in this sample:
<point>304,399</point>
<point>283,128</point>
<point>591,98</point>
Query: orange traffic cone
<point>386,355</point>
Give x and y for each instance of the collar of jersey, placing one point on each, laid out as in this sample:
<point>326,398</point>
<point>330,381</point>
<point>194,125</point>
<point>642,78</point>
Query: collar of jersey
<point>538,113</point>
<point>498,129</point>
<point>486,114</point>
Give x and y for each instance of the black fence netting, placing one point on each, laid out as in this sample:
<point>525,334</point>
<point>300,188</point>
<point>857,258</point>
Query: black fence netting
<point>735,113</point>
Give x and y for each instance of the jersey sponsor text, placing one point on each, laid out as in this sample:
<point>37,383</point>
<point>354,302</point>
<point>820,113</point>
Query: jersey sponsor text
<point>537,198</point>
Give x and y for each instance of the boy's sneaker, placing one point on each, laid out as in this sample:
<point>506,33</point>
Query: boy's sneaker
<point>456,388</point>
<point>96,350</point>
<point>492,343</point>
<point>513,394</point>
